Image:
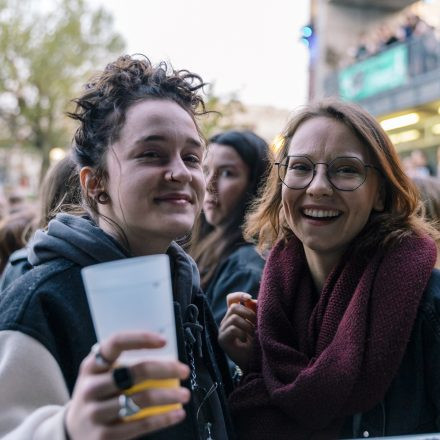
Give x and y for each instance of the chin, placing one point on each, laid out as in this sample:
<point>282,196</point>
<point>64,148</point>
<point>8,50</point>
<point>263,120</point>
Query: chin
<point>177,229</point>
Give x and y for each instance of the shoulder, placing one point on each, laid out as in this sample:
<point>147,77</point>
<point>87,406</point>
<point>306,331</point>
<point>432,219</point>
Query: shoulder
<point>240,271</point>
<point>245,257</point>
<point>18,264</point>
<point>25,303</point>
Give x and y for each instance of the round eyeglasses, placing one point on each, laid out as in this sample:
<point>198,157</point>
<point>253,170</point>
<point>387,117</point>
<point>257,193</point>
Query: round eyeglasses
<point>343,173</point>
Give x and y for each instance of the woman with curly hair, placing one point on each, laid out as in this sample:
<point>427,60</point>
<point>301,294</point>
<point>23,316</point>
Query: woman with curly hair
<point>347,341</point>
<point>139,152</point>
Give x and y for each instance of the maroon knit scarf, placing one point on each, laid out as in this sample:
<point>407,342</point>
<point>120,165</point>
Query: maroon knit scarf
<point>318,360</point>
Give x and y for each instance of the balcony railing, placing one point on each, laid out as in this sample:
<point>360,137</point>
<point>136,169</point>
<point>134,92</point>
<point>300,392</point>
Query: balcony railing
<point>399,65</point>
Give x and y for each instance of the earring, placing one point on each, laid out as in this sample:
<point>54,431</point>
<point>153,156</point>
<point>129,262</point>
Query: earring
<point>103,198</point>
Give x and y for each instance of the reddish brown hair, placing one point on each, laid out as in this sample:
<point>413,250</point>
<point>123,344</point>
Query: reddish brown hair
<point>401,214</point>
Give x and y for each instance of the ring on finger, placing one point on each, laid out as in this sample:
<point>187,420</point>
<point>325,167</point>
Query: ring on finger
<point>123,378</point>
<point>100,360</point>
<point>127,406</point>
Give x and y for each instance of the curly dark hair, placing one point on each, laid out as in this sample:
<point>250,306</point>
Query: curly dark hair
<point>102,108</point>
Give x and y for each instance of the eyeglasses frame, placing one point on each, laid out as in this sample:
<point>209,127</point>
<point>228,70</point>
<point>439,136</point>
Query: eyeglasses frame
<point>281,164</point>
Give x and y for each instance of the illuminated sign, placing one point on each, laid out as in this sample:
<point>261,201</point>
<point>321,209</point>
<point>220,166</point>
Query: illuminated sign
<point>379,73</point>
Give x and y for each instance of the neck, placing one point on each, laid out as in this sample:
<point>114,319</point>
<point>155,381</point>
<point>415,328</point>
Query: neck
<point>321,265</point>
<point>138,244</point>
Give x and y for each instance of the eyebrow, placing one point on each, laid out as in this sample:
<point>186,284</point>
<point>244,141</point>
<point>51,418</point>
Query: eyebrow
<point>160,138</point>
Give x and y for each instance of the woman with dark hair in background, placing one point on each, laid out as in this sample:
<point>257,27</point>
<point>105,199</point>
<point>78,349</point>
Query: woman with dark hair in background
<point>235,166</point>
<point>139,153</point>
<point>15,230</point>
<point>429,189</point>
<point>60,190</point>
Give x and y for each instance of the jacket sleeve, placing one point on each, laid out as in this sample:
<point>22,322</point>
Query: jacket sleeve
<point>33,393</point>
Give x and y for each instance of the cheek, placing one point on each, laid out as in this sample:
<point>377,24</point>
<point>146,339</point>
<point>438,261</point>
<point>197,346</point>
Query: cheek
<point>199,184</point>
<point>287,201</point>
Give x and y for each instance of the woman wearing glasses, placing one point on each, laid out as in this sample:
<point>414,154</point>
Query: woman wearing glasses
<point>348,330</point>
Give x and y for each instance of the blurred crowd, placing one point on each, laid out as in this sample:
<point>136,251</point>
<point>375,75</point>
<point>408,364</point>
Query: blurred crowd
<point>382,38</point>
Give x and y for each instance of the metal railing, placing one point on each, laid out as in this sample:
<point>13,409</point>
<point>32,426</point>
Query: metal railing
<point>422,55</point>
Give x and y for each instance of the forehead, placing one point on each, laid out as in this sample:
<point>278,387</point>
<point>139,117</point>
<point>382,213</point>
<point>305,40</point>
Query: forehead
<point>220,154</point>
<point>325,138</point>
<point>157,117</point>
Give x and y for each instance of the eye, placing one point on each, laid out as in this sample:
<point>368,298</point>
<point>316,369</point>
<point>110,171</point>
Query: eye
<point>346,169</point>
<point>299,166</point>
<point>225,173</point>
<point>192,159</point>
<point>150,155</point>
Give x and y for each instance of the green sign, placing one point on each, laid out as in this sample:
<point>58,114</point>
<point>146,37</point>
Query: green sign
<point>379,73</point>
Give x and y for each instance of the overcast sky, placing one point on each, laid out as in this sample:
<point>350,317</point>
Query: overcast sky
<point>243,46</point>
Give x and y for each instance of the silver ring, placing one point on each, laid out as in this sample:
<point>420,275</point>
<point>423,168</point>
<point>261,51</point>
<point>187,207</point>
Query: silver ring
<point>127,407</point>
<point>100,360</point>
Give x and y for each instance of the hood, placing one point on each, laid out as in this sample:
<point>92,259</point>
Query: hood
<point>74,238</point>
<point>80,240</point>
<point>186,278</point>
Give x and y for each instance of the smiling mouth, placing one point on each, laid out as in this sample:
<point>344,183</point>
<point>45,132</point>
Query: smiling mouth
<point>174,199</point>
<point>321,214</point>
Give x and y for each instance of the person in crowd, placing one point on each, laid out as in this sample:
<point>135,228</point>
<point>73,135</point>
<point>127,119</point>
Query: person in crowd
<point>139,151</point>
<point>59,190</point>
<point>429,189</point>
<point>17,200</point>
<point>15,230</point>
<point>422,168</point>
<point>235,166</point>
<point>348,325</point>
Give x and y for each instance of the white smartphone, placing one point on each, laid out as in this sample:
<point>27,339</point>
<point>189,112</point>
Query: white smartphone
<point>133,294</point>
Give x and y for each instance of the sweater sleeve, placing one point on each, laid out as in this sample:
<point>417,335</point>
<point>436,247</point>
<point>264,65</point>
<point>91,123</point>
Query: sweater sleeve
<point>33,393</point>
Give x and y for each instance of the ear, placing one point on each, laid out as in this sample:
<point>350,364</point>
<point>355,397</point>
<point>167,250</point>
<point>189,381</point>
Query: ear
<point>379,200</point>
<point>90,184</point>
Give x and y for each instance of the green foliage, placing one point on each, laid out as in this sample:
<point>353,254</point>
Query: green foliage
<point>223,114</point>
<point>44,56</point>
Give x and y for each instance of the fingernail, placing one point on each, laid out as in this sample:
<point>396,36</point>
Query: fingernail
<point>178,414</point>
<point>184,395</point>
<point>184,371</point>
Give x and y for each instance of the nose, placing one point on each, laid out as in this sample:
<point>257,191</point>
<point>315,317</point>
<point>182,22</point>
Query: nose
<point>178,171</point>
<point>320,185</point>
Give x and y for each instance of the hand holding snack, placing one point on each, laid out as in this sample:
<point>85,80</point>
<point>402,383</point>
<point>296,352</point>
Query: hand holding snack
<point>237,329</point>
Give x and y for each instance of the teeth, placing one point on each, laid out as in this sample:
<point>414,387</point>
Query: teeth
<point>321,213</point>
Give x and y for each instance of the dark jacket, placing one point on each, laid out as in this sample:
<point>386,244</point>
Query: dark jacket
<point>49,304</point>
<point>412,403</point>
<point>18,264</point>
<point>239,272</point>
